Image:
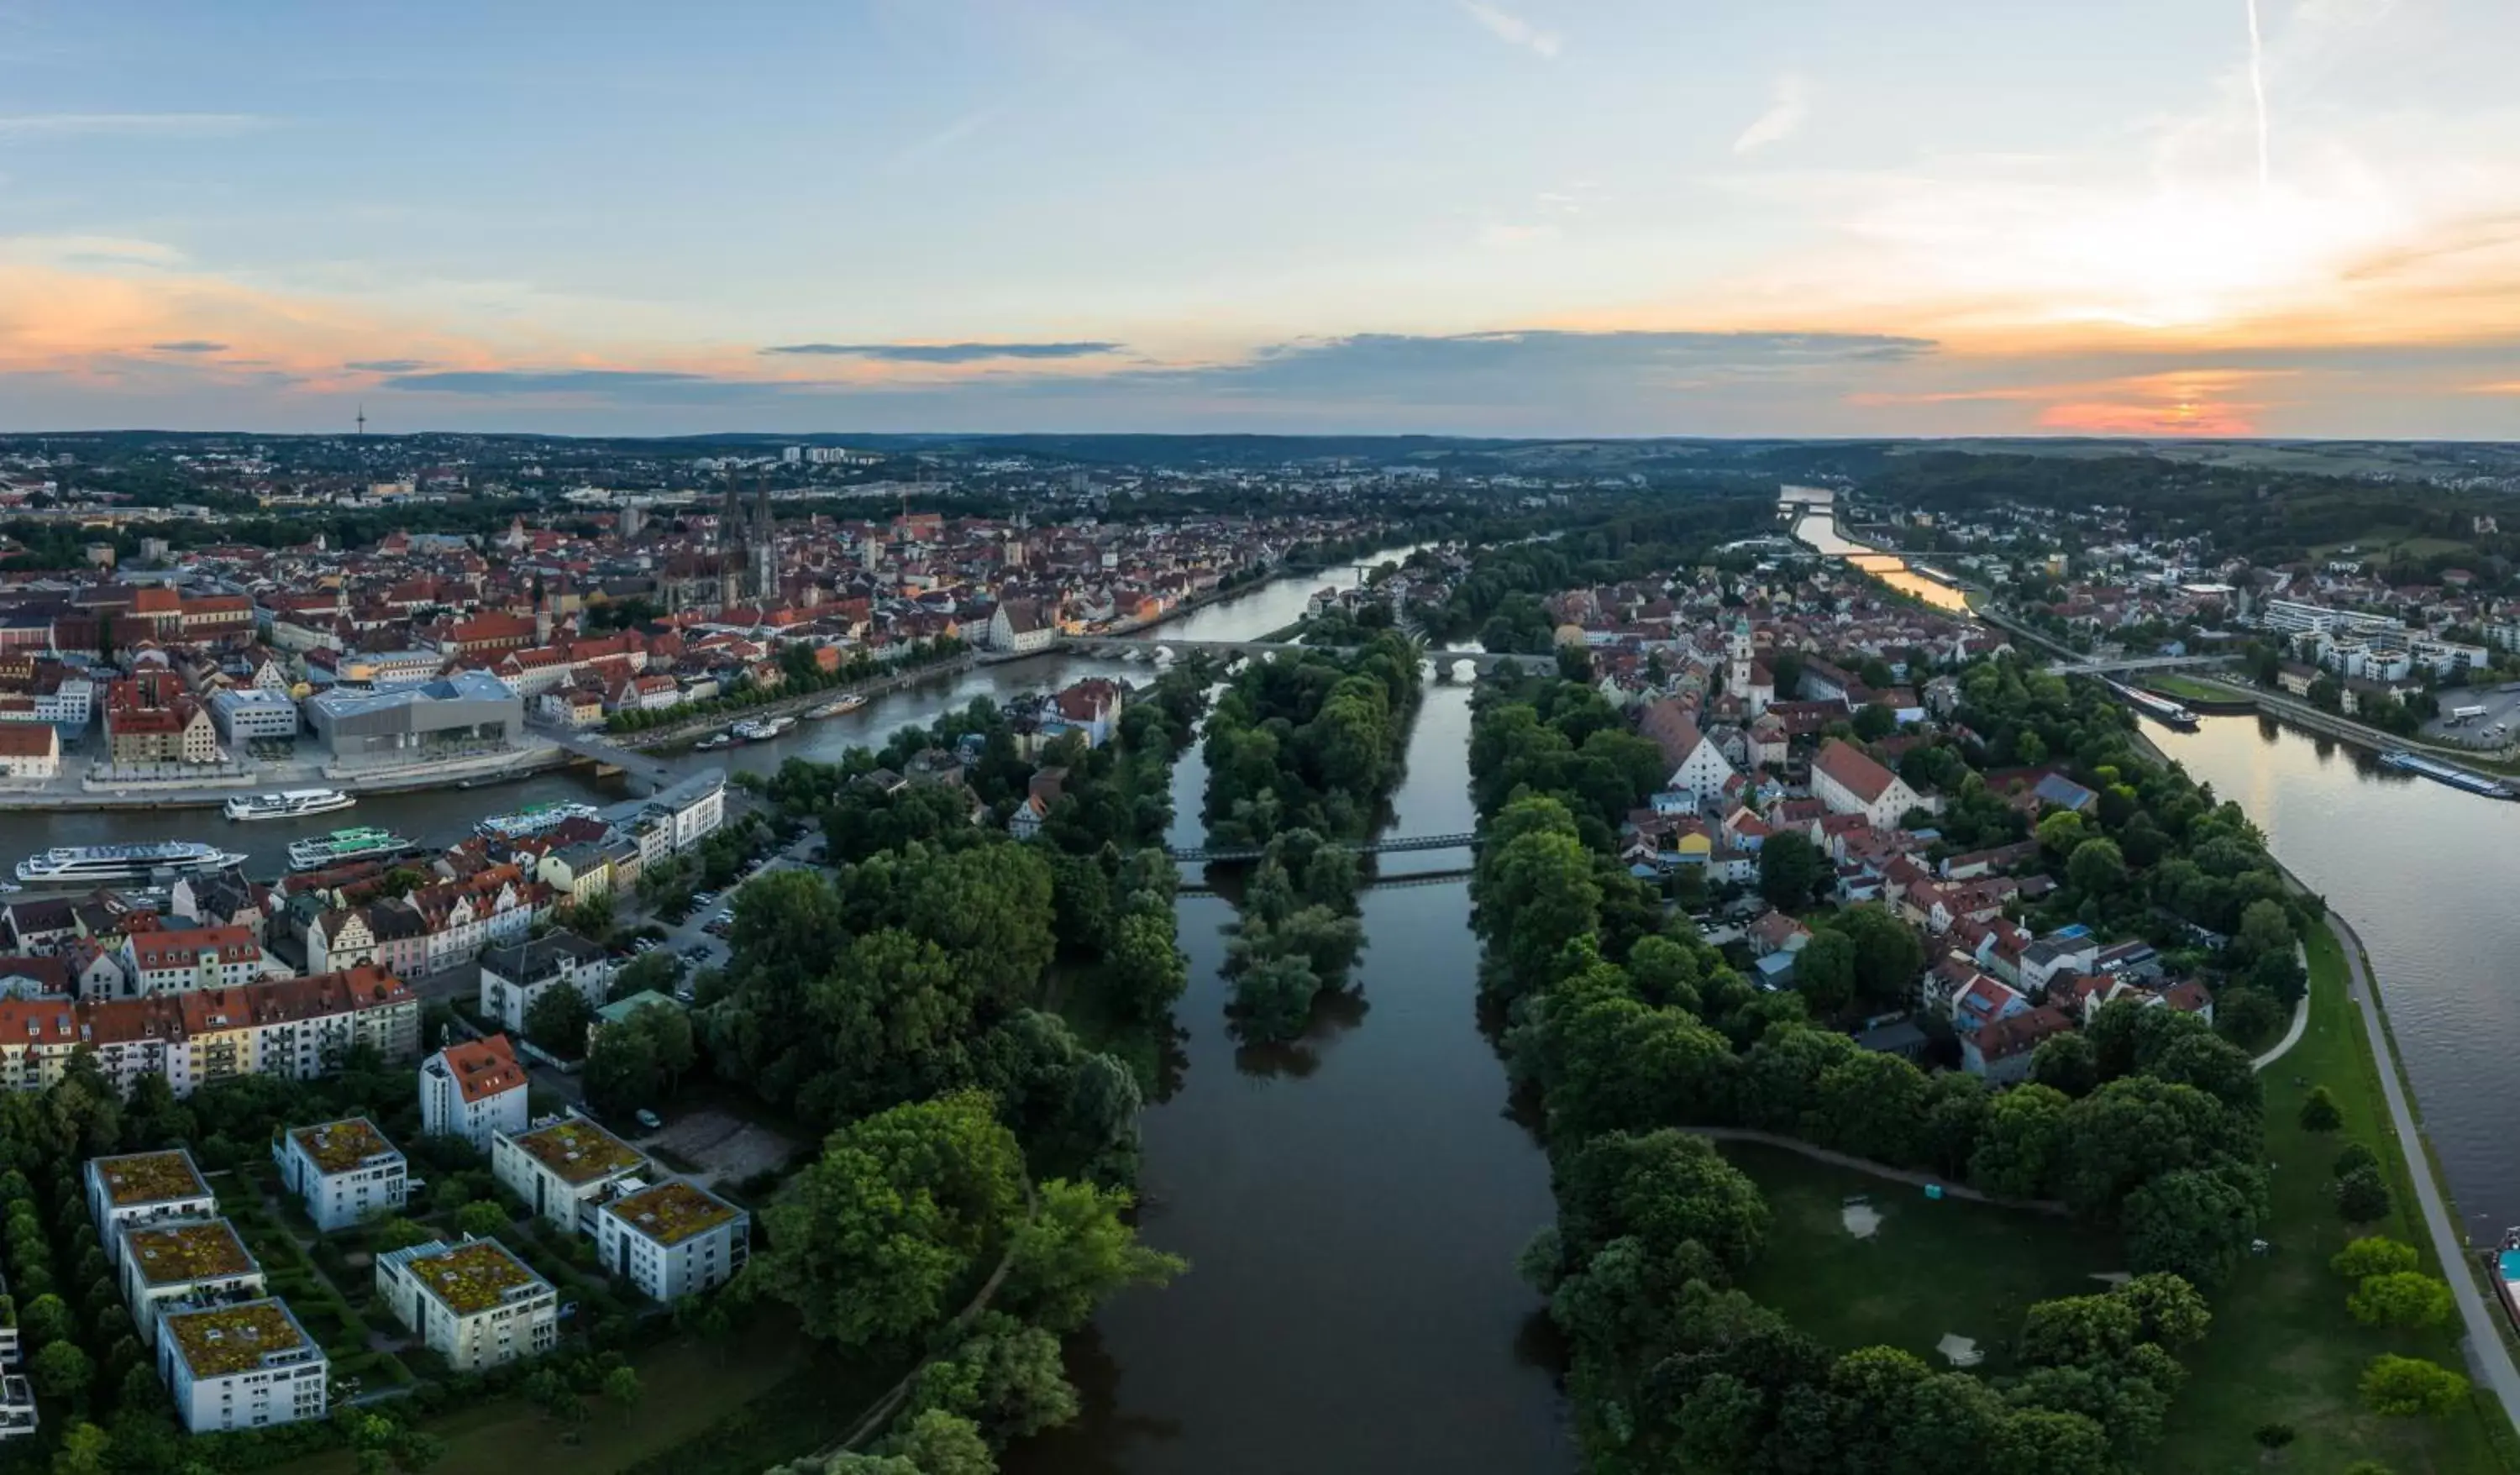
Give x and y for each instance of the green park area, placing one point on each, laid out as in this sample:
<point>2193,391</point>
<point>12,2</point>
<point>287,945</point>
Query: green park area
<point>2179,688</point>
<point>712,1407</point>
<point>2283,1349</point>
<point>1900,1270</point>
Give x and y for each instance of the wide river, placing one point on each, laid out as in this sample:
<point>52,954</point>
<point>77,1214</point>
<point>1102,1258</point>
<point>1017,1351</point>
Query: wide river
<point>1350,1205</point>
<point>2423,872</point>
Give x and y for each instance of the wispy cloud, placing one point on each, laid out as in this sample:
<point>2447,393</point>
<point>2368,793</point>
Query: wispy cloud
<point>945,353</point>
<point>1788,106</point>
<point>41,125</point>
<point>921,151</point>
<point>385,366</point>
<point>1512,29</point>
<point>190,346</point>
<point>546,380</point>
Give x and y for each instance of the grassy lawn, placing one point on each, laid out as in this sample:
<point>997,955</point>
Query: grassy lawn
<point>1929,1268</point>
<point>2282,1346</point>
<point>2188,689</point>
<point>692,1387</point>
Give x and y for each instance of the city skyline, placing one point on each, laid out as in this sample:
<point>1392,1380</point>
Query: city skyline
<point>1578,217</point>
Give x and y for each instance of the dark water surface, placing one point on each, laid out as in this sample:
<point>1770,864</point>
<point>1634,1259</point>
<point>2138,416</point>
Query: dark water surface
<point>2425,874</point>
<point>1351,1206</point>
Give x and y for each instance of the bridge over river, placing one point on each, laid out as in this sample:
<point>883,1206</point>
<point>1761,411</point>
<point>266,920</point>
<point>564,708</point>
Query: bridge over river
<point>1101,645</point>
<point>1212,855</point>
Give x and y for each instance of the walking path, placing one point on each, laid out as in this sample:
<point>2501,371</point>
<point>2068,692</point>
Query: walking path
<point>2299,1020</point>
<point>2489,1360</point>
<point>1877,1169</point>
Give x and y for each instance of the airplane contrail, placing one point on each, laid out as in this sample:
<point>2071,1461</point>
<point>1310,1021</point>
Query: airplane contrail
<point>2258,90</point>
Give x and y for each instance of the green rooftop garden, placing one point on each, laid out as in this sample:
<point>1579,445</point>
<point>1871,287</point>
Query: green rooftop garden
<point>474,1276</point>
<point>671,1213</point>
<point>579,1150</point>
<point>175,1254</point>
<point>339,1146</point>
<point>226,1339</point>
<point>151,1178</point>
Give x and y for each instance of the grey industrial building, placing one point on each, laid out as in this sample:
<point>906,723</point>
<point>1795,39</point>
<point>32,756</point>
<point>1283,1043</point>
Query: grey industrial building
<point>468,712</point>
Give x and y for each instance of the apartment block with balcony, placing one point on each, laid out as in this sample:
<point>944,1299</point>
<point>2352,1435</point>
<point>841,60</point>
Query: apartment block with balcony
<point>141,1189</point>
<point>174,1263</point>
<point>346,1172</point>
<point>249,1366</point>
<point>474,1304</point>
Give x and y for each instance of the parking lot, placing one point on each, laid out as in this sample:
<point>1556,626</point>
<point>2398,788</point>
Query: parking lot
<point>720,1146</point>
<point>2502,707</point>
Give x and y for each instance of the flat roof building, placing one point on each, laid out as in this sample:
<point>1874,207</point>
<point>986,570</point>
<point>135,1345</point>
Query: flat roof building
<point>344,1171</point>
<point>673,1240</point>
<point>175,1262</point>
<point>469,711</point>
<point>144,1187</point>
<point>474,1304</point>
<point>563,1170</point>
<point>243,1366</point>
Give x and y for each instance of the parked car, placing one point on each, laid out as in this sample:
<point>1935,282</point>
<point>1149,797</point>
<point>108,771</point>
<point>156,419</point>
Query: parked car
<point>649,1119</point>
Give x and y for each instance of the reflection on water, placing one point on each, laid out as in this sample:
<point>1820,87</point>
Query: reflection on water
<point>2422,871</point>
<point>1816,524</point>
<point>1350,1205</point>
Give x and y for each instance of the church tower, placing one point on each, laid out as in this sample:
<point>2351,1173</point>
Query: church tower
<point>762,544</point>
<point>1736,677</point>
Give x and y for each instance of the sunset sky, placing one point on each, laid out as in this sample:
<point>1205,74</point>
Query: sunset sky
<point>1821,217</point>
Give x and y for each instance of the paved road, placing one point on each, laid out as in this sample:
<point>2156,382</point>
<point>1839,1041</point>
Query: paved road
<point>2489,1361</point>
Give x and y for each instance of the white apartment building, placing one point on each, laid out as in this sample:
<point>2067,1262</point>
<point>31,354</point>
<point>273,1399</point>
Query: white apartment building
<point>246,713</point>
<point>243,1366</point>
<point>344,1171</point>
<point>563,1170</point>
<point>474,1304</point>
<point>144,1189</point>
<point>673,1240</point>
<point>177,1261</point>
<point>473,1090</point>
<point>516,975</point>
<point>193,957</point>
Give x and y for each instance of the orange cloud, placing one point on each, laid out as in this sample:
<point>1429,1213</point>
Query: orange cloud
<point>2206,419</point>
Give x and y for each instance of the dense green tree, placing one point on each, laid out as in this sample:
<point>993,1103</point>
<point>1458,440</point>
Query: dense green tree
<point>557,1020</point>
<point>2016,1154</point>
<point>903,1210</point>
<point>1665,1187</point>
<point>1076,1250</point>
<point>1888,957</point>
<point>2096,867</point>
<point>2363,1197</point>
<point>2403,1387</point>
<point>2374,1255</point>
<point>1792,871</point>
<point>2197,1225</point>
<point>2318,1111</point>
<point>61,1369</point>
<point>2068,1062</point>
<point>2401,1298</point>
<point>1825,971</point>
<point>1005,1376</point>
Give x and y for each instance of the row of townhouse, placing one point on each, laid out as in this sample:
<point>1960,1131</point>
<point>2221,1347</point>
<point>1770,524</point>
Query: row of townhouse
<point>433,929</point>
<point>300,1028</point>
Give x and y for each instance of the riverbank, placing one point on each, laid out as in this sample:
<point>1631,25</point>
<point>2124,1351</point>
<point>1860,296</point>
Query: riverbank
<point>2282,1347</point>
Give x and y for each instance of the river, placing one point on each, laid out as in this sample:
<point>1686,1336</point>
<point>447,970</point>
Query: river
<point>2423,872</point>
<point>1816,524</point>
<point>1352,1204</point>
